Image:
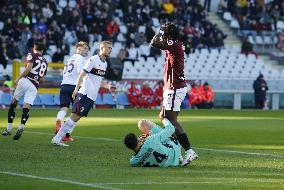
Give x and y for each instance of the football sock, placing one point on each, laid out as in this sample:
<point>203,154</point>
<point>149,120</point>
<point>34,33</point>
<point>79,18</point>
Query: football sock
<point>11,113</point>
<point>60,115</point>
<point>9,127</point>
<point>25,115</point>
<point>184,142</point>
<point>66,127</point>
<point>71,130</point>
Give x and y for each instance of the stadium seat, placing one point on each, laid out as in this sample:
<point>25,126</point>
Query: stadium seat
<point>280,25</point>
<point>227,16</point>
<point>122,99</point>
<point>108,99</point>
<point>5,99</point>
<point>1,25</point>
<point>47,99</point>
<point>72,3</point>
<point>62,3</point>
<point>235,24</point>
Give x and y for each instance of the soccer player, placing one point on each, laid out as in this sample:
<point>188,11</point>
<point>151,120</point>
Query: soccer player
<point>92,74</point>
<point>26,86</point>
<point>73,67</point>
<point>175,87</point>
<point>159,149</point>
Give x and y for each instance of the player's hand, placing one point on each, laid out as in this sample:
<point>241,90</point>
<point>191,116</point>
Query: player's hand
<point>74,94</point>
<point>161,114</point>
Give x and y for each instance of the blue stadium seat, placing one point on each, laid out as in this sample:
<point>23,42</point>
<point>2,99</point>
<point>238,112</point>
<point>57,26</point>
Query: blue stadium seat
<point>108,99</point>
<point>47,99</point>
<point>56,99</point>
<point>5,99</point>
<point>122,99</point>
<point>99,100</point>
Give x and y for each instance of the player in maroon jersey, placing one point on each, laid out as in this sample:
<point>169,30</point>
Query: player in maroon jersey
<point>26,86</point>
<point>175,87</point>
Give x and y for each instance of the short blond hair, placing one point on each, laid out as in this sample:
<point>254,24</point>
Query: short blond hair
<point>81,44</point>
<point>102,43</point>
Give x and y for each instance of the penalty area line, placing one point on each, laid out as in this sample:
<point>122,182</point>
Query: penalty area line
<point>94,185</point>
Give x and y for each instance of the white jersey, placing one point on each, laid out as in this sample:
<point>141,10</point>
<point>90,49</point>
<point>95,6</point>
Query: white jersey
<point>96,70</point>
<point>72,69</point>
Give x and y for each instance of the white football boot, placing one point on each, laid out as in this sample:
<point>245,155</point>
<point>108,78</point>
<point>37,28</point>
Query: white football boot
<point>58,143</point>
<point>190,155</point>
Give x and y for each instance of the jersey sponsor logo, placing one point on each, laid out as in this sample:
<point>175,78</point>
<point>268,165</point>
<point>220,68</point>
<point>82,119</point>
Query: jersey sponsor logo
<point>29,57</point>
<point>146,155</point>
<point>170,42</point>
<point>98,72</point>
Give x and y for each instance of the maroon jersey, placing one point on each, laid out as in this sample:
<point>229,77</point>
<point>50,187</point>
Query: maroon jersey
<point>39,68</point>
<point>174,66</point>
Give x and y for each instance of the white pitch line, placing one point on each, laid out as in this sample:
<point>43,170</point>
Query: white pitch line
<point>81,137</point>
<point>208,149</point>
<point>94,185</point>
<point>241,152</point>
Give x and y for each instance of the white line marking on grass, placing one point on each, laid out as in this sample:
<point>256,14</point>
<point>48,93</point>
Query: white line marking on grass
<point>61,180</point>
<point>240,152</point>
<point>81,137</point>
<point>208,149</point>
<point>205,181</point>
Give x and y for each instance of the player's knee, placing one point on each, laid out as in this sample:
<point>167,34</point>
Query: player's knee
<point>26,105</point>
<point>75,117</point>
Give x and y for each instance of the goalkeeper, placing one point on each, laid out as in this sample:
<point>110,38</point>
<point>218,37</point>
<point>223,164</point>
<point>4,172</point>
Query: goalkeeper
<point>156,147</point>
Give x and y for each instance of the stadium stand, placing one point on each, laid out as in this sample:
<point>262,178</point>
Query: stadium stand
<point>61,23</point>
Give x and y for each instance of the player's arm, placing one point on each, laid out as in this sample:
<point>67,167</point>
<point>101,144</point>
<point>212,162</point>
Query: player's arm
<point>78,83</point>
<point>167,132</point>
<point>158,41</point>
<point>25,72</point>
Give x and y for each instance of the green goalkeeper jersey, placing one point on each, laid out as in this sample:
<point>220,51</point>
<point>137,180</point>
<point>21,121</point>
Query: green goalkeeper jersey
<point>160,149</point>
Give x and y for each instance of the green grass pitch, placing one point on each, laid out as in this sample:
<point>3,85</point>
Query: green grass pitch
<point>237,150</point>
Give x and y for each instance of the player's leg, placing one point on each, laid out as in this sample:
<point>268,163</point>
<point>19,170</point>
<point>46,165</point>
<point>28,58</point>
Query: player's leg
<point>19,92</point>
<point>24,119</point>
<point>172,102</point>
<point>65,101</point>
<point>60,117</point>
<point>11,116</point>
<point>29,97</point>
<point>80,108</point>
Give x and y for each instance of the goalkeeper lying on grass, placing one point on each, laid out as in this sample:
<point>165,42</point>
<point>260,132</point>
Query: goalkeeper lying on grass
<point>156,147</point>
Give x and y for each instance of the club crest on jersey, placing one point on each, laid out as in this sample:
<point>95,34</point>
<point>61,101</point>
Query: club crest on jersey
<point>29,57</point>
<point>170,42</point>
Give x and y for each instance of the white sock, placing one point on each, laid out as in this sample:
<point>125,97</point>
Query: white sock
<point>65,128</point>
<point>73,127</point>
<point>21,126</point>
<point>9,127</point>
<point>60,115</point>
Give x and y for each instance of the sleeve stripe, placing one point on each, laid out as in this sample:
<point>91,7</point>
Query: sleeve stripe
<point>85,70</point>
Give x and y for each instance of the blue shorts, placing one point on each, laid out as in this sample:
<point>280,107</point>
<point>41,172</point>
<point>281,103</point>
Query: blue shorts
<point>66,91</point>
<point>82,105</point>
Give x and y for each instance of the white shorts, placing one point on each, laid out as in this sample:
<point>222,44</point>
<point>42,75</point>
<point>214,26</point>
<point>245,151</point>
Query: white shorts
<point>27,89</point>
<point>172,98</point>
